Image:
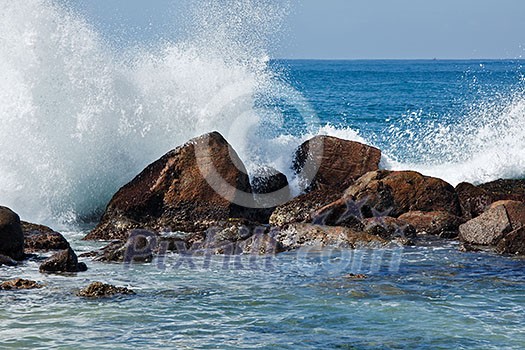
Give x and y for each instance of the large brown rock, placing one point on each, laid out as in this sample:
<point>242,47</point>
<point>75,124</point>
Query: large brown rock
<point>339,162</point>
<point>501,226</point>
<point>42,238</point>
<point>392,193</point>
<point>475,200</point>
<point>11,235</point>
<point>63,261</point>
<point>486,229</point>
<point>188,189</point>
<point>436,223</point>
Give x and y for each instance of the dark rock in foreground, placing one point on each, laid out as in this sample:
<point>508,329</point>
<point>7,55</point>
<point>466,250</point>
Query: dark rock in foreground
<point>40,238</point>
<point>19,283</point>
<point>178,192</point>
<point>334,163</point>
<point>102,290</point>
<point>63,261</point>
<point>11,236</point>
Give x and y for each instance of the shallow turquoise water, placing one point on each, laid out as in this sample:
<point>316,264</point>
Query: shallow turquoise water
<point>416,297</point>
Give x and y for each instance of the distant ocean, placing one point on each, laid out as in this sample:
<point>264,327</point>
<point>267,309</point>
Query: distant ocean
<point>81,117</point>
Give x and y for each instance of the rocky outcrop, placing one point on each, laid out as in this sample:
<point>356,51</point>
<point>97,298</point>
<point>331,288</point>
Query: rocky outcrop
<point>11,236</point>
<point>40,238</point>
<point>501,226</point>
<point>333,163</point>
<point>390,193</point>
<point>435,223</point>
<point>103,290</point>
<point>63,261</point>
<point>189,189</point>
<point>302,234</point>
<point>19,283</point>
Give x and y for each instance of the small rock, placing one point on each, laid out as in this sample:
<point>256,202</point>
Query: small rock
<point>355,276</point>
<point>102,290</point>
<point>63,261</point>
<point>19,283</point>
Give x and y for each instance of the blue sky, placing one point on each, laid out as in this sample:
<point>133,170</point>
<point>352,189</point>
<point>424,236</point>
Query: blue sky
<point>350,28</point>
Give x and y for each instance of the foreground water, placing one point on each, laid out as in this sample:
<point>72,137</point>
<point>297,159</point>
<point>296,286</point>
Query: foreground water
<point>425,297</point>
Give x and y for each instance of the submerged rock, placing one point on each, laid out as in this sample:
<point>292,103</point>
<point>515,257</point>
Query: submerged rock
<point>63,261</point>
<point>42,238</point>
<point>102,290</point>
<point>188,189</point>
<point>11,235</point>
<point>19,283</point>
<point>334,163</point>
<point>7,260</point>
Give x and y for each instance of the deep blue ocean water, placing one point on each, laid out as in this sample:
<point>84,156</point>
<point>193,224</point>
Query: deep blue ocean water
<point>81,117</point>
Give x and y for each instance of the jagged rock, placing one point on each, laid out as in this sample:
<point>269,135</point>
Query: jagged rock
<point>339,162</point>
<point>42,238</point>
<point>300,209</point>
<point>102,290</point>
<point>436,223</point>
<point>391,193</point>
<point>298,235</point>
<point>64,261</point>
<point>11,236</point>
<point>188,189</point>
<point>19,283</point>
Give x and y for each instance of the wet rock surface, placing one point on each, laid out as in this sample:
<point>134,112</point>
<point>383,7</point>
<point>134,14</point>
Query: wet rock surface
<point>188,189</point>
<point>63,261</point>
<point>40,238</point>
<point>19,283</point>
